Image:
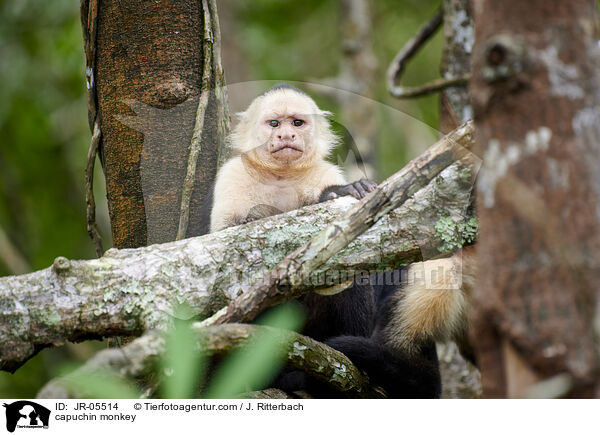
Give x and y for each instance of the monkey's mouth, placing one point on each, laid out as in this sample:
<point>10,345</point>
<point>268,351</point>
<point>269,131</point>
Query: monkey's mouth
<point>286,148</point>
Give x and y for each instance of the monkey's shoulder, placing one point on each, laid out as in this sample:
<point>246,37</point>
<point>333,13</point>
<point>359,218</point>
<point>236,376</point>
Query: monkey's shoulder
<point>325,174</point>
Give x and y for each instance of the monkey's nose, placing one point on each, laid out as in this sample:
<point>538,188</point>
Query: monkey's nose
<point>286,136</point>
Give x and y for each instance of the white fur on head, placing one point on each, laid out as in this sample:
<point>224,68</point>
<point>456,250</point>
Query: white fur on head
<point>321,139</point>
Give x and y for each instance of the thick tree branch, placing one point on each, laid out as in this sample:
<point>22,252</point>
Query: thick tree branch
<point>303,353</point>
<point>140,358</point>
<point>128,291</point>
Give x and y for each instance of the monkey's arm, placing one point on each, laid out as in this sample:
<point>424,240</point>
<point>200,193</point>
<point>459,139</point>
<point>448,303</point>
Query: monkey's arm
<point>331,184</point>
<point>231,200</point>
<point>358,189</point>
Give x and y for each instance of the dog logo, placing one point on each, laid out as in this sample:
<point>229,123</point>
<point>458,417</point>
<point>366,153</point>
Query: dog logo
<point>26,414</point>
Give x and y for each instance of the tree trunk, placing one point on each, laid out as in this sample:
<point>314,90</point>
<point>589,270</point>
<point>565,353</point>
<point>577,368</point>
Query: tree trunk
<point>358,67</point>
<point>535,94</point>
<point>456,62</point>
<point>460,379</point>
<point>145,76</point>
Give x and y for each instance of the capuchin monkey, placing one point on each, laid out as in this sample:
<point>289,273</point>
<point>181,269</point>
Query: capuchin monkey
<point>281,141</point>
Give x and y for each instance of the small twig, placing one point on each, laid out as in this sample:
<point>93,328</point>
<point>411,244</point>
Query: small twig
<point>429,87</point>
<point>412,47</point>
<point>397,66</point>
<point>447,107</point>
<point>221,96</point>
<point>89,16</point>
<point>92,228</point>
<point>284,281</point>
<point>89,13</point>
<point>196,142</point>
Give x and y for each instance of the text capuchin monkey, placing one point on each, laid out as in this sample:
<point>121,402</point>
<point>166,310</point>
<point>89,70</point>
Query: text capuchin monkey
<point>282,140</point>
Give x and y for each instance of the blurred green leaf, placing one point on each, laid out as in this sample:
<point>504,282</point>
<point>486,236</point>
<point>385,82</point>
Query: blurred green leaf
<point>255,365</point>
<point>99,385</point>
<point>183,365</point>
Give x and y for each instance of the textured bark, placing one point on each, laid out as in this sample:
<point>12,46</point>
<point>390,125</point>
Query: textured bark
<point>535,94</point>
<point>128,291</point>
<point>303,353</point>
<point>138,360</point>
<point>460,379</point>
<point>456,62</point>
<point>148,77</point>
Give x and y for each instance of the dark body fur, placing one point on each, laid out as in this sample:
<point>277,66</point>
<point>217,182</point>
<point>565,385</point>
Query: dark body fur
<point>400,374</point>
<point>351,312</point>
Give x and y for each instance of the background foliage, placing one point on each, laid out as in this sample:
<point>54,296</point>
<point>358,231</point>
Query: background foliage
<point>44,134</point>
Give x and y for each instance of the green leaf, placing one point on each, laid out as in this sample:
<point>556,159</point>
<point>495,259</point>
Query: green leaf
<point>255,365</point>
<point>182,365</point>
<point>100,385</point>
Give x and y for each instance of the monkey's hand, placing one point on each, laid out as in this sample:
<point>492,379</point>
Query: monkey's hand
<point>358,189</point>
<point>258,212</point>
<point>245,220</point>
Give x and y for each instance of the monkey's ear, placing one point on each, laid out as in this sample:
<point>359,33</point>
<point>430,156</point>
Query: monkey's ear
<point>240,115</point>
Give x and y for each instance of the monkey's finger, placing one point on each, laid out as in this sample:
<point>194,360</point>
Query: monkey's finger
<point>351,190</point>
<point>368,185</point>
<point>245,220</point>
<point>361,190</point>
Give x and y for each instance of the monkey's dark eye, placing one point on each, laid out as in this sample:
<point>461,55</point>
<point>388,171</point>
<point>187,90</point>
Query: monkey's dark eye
<point>274,123</point>
<point>297,122</point>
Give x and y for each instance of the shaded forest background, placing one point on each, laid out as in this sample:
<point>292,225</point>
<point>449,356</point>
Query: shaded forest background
<point>44,134</point>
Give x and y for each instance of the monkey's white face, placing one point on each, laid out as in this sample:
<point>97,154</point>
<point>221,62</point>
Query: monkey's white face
<point>285,135</point>
<point>285,126</point>
<point>280,127</point>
